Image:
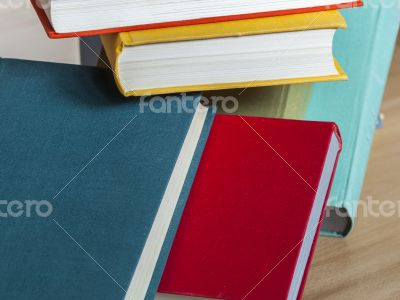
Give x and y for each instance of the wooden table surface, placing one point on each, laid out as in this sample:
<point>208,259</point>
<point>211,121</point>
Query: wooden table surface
<point>367,264</point>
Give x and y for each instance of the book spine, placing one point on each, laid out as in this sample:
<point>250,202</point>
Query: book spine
<point>162,261</point>
<point>113,46</point>
<point>382,49</point>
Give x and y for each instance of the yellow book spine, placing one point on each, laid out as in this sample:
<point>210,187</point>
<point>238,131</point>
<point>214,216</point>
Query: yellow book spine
<point>113,46</point>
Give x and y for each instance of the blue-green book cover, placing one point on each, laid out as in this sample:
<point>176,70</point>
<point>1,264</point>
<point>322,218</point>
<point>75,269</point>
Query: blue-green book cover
<point>92,185</point>
<point>365,50</point>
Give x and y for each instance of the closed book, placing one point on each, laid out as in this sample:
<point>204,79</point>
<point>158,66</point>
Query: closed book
<point>243,54</point>
<point>355,104</point>
<point>66,18</point>
<point>92,186</point>
<point>251,223</point>
<point>280,101</point>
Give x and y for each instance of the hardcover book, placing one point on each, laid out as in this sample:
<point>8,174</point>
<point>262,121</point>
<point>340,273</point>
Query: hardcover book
<point>251,223</point>
<point>92,186</point>
<point>280,101</point>
<point>243,54</point>
<point>72,18</point>
<point>355,104</point>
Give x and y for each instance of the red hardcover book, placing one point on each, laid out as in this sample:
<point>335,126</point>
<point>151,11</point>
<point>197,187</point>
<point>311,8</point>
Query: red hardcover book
<point>55,35</point>
<point>251,223</point>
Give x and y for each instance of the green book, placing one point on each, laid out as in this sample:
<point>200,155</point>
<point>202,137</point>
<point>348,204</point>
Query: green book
<point>284,101</point>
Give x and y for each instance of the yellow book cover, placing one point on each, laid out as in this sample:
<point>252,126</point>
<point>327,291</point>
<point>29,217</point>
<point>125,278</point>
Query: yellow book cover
<point>114,45</point>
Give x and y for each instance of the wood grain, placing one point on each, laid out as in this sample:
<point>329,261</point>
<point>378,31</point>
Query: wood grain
<point>367,264</point>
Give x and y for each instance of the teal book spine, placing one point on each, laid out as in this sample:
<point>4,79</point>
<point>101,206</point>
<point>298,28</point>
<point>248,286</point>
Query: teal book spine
<point>93,185</point>
<point>365,50</point>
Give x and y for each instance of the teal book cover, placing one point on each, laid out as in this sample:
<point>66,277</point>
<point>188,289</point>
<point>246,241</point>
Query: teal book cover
<point>92,185</point>
<point>365,49</point>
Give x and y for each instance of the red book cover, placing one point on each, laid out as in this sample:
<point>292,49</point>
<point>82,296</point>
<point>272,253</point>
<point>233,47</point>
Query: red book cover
<point>245,232</point>
<point>55,35</point>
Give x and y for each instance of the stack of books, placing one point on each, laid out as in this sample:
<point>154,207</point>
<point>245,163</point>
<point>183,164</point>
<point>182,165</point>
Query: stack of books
<point>187,46</point>
<point>130,203</point>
